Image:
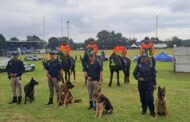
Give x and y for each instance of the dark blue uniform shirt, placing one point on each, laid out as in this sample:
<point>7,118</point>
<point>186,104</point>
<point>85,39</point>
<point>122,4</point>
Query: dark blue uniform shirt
<point>15,66</point>
<point>53,67</point>
<point>147,72</point>
<point>93,70</point>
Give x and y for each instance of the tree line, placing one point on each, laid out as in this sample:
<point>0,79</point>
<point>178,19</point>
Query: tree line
<point>104,39</point>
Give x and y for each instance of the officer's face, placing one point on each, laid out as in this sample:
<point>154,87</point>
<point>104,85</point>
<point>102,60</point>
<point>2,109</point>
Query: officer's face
<point>15,56</point>
<point>92,58</point>
<point>53,56</point>
<point>144,60</point>
<point>146,41</point>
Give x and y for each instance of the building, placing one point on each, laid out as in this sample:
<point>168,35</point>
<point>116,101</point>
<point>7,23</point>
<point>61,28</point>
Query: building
<point>25,45</point>
<point>160,45</point>
<point>181,59</point>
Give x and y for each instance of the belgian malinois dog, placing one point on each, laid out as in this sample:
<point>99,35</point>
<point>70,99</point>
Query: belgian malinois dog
<point>161,106</point>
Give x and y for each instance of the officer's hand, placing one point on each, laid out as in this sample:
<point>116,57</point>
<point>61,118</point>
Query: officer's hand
<point>89,78</point>
<point>85,74</point>
<point>155,87</point>
<point>141,79</point>
<point>102,80</point>
<point>48,75</point>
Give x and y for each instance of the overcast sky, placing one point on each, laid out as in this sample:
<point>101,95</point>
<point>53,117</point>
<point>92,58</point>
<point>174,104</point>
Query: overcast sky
<point>133,18</point>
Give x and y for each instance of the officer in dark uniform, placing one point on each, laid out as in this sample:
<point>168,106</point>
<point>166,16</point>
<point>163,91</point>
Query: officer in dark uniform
<point>15,69</point>
<point>93,72</point>
<point>54,72</point>
<point>146,75</point>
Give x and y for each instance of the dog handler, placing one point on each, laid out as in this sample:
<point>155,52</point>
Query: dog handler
<point>15,69</point>
<point>93,72</point>
<point>53,71</point>
<point>146,75</point>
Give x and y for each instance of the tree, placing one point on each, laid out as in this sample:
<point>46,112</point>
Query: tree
<point>15,39</point>
<point>33,38</point>
<point>53,43</point>
<point>88,40</point>
<point>2,42</point>
<point>176,41</point>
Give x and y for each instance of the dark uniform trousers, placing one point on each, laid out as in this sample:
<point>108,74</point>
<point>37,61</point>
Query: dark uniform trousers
<point>146,96</point>
<point>53,83</point>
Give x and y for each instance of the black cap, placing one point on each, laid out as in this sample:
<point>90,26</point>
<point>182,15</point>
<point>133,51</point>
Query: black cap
<point>146,38</point>
<point>15,53</point>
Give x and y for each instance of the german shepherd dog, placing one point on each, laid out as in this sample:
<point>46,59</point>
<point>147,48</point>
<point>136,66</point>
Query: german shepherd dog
<point>161,106</point>
<point>65,96</point>
<point>29,90</point>
<point>103,104</point>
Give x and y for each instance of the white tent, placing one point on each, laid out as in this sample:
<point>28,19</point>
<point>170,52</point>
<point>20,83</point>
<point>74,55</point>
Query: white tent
<point>134,46</point>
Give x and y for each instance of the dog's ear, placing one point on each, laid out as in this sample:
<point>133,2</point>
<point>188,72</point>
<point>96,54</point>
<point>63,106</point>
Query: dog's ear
<point>32,78</point>
<point>164,89</point>
<point>99,89</point>
<point>159,88</point>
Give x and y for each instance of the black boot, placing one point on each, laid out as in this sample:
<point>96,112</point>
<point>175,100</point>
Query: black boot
<point>50,101</point>
<point>19,100</point>
<point>57,99</point>
<point>143,112</point>
<point>14,100</point>
<point>153,114</point>
<point>90,105</point>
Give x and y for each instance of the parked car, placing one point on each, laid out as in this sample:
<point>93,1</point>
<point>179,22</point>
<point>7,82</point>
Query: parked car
<point>39,58</point>
<point>3,63</point>
<point>29,67</point>
<point>31,58</point>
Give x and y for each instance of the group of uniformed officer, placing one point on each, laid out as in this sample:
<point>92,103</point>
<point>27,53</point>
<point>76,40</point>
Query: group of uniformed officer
<point>144,72</point>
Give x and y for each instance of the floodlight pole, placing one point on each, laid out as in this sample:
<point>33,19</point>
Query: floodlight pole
<point>68,29</point>
<point>44,32</point>
<point>62,28</point>
<point>157,25</point>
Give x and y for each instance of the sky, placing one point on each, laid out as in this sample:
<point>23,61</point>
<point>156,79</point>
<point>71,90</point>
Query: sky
<point>132,18</point>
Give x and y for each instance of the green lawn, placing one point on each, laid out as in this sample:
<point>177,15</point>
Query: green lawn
<point>125,99</point>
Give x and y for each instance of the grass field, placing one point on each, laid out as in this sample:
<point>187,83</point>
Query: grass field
<point>125,99</point>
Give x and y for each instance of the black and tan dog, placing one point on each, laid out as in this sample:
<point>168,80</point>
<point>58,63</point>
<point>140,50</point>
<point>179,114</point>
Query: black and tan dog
<point>65,96</point>
<point>29,90</point>
<point>161,106</point>
<point>103,104</point>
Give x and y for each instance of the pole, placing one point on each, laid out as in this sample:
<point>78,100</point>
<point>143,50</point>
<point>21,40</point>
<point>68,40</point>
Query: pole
<point>62,29</point>
<point>44,33</point>
<point>157,26</point>
<point>68,29</point>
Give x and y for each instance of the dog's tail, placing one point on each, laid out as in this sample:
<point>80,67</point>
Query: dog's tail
<point>77,100</point>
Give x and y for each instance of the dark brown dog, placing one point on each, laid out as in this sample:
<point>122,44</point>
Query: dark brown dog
<point>103,105</point>
<point>161,106</point>
<point>29,90</point>
<point>65,96</point>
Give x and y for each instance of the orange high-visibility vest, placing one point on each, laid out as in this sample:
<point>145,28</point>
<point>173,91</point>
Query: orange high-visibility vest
<point>120,50</point>
<point>65,48</point>
<point>93,46</point>
<point>147,48</point>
